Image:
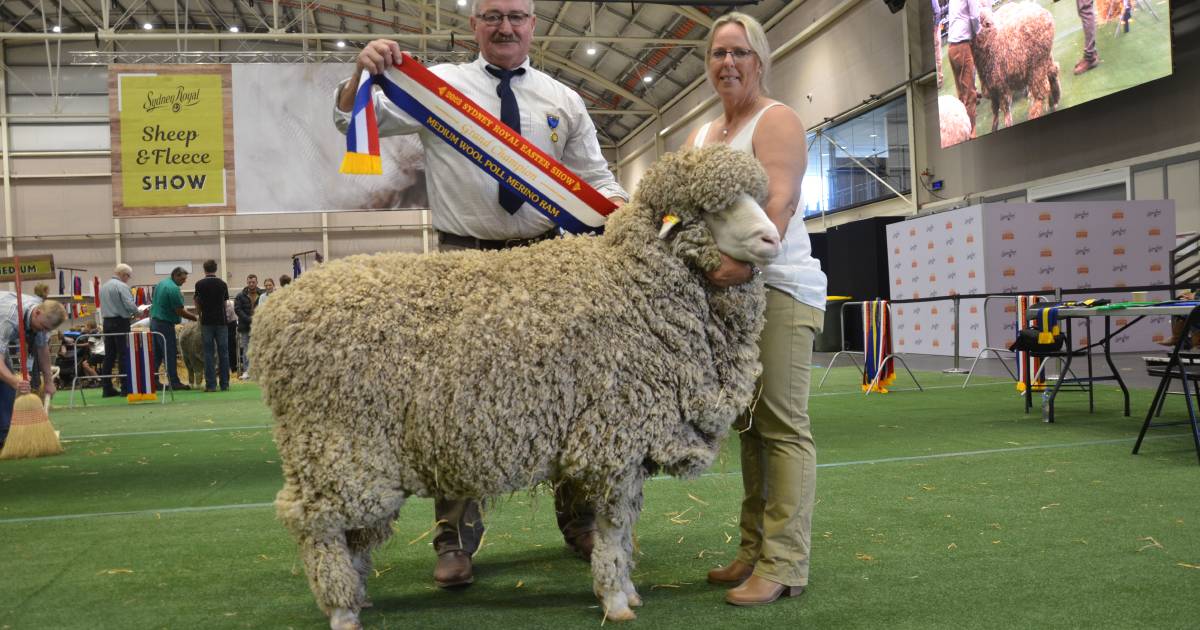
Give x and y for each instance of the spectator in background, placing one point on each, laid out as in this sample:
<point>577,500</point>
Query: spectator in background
<point>284,280</point>
<point>41,290</point>
<point>268,289</point>
<point>1087,19</point>
<point>964,25</point>
<point>244,305</point>
<point>231,326</point>
<point>39,318</point>
<point>211,295</point>
<point>166,311</point>
<point>75,359</point>
<point>118,308</point>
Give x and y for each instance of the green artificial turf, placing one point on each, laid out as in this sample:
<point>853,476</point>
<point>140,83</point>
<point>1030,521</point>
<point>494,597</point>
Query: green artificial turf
<point>944,509</point>
<point>1126,60</point>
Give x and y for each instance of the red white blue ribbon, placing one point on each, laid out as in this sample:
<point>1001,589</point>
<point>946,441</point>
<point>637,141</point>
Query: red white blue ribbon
<point>142,380</point>
<point>506,156</point>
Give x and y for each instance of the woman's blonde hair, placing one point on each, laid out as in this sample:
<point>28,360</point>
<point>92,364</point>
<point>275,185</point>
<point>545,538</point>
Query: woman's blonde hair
<point>754,34</point>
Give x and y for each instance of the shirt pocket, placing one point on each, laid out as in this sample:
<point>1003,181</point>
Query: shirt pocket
<point>546,128</point>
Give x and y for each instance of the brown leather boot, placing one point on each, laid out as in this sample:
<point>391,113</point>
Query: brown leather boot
<point>756,591</point>
<point>453,569</point>
<point>734,573</point>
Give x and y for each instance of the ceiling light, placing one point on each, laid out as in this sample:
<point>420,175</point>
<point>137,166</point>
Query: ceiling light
<point>148,26</point>
<point>341,44</point>
<point>56,28</point>
<point>462,3</point>
<point>233,29</point>
<point>647,78</point>
<point>591,49</point>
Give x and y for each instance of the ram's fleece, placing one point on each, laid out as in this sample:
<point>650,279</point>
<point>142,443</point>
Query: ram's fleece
<point>1013,54</point>
<point>473,374</point>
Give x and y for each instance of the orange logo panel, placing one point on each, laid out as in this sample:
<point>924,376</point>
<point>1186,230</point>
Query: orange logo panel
<point>1009,272</point>
<point>1047,253</point>
<point>1155,232</point>
<point>1118,215</point>
<point>1081,271</point>
<point>974,310</point>
<point>933,311</point>
<point>1156,267</point>
<point>1081,234</point>
<point>1045,216</point>
<point>970,238</point>
<point>971,274</point>
<point>949,225</point>
<point>949,260</point>
<point>1007,236</point>
<point>1118,251</point>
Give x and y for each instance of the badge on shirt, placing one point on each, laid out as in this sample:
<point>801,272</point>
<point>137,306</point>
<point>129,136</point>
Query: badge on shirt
<point>552,120</point>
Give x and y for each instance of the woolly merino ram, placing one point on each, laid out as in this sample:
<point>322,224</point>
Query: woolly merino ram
<point>1012,55</point>
<point>590,360</point>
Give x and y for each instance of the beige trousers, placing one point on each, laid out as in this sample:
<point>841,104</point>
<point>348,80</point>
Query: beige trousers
<point>779,460</point>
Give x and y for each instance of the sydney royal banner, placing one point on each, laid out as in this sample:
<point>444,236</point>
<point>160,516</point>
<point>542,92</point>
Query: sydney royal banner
<point>172,140</point>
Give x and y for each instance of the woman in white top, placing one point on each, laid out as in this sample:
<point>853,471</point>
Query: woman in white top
<point>778,456</point>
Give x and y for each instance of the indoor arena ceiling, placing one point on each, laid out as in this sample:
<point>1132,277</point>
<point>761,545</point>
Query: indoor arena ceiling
<point>627,60</point>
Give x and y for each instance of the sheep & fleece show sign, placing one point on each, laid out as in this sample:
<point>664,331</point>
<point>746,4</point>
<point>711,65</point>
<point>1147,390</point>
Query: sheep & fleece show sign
<point>172,140</point>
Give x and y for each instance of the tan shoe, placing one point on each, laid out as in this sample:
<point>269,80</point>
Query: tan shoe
<point>734,573</point>
<point>453,569</point>
<point>756,591</point>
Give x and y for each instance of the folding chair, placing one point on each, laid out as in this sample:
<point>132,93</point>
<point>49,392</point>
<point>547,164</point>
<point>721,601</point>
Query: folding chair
<point>1189,376</point>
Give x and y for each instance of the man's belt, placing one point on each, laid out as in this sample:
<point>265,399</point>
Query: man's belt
<point>504,155</point>
<point>446,238</point>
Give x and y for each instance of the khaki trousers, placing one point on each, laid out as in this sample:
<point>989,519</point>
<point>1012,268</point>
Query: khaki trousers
<point>779,460</point>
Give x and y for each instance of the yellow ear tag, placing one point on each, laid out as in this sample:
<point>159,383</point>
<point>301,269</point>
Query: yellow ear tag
<point>669,222</point>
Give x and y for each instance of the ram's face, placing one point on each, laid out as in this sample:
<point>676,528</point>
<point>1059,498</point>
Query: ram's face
<point>744,232</point>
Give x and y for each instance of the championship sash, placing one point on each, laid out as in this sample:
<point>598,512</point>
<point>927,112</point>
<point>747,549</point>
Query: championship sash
<point>1023,359</point>
<point>877,347</point>
<point>504,155</point>
<point>142,379</point>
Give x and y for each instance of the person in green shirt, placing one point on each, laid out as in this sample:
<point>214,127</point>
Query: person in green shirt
<point>166,311</point>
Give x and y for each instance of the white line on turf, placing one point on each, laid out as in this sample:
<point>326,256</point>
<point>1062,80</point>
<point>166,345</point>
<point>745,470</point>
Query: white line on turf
<point>882,460</point>
<point>96,436</point>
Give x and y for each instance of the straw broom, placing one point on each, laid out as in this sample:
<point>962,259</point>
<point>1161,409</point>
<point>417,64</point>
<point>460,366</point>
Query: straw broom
<point>31,434</point>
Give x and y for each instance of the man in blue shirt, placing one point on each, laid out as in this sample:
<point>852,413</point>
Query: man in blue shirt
<point>117,307</point>
<point>166,311</point>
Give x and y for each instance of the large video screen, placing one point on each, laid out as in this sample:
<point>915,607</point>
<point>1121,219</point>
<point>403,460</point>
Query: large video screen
<point>1002,63</point>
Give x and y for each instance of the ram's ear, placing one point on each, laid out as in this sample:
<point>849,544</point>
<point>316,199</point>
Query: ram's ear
<point>721,174</point>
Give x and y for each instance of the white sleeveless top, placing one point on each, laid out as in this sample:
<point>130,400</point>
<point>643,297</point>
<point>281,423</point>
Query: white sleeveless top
<point>795,271</point>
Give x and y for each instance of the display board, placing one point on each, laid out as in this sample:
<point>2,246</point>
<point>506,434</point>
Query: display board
<point>1008,248</point>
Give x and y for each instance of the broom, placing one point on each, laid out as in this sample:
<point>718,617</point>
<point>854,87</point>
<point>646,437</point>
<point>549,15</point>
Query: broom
<point>31,434</point>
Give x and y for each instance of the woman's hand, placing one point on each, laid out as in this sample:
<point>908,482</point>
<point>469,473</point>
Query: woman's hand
<point>730,273</point>
<point>22,387</point>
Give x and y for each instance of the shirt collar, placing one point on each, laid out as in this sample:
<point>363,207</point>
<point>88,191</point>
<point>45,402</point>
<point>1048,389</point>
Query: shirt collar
<point>482,64</point>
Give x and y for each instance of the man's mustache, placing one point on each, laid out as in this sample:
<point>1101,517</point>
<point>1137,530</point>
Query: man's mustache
<point>502,39</point>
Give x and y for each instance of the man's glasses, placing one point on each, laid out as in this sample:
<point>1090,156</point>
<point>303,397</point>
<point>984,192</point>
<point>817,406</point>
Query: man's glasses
<point>718,54</point>
<point>494,18</point>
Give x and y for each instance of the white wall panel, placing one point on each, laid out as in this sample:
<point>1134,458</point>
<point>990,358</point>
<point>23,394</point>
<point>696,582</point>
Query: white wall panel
<point>58,137</point>
<point>1183,185</point>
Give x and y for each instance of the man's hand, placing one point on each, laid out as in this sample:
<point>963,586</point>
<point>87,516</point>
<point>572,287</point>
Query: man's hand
<point>730,273</point>
<point>377,56</point>
<point>23,387</point>
<point>48,388</point>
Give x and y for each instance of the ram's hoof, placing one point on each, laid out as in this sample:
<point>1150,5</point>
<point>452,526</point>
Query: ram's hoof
<point>624,614</point>
<point>635,600</point>
<point>343,619</point>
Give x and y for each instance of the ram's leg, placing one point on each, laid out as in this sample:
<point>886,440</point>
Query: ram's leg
<point>333,578</point>
<point>612,557</point>
<point>361,543</point>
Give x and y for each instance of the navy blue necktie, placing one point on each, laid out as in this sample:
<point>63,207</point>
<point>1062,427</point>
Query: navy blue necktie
<point>510,115</point>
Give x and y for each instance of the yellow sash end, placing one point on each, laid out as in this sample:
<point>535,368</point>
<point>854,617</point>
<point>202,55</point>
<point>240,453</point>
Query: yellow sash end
<point>361,164</point>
